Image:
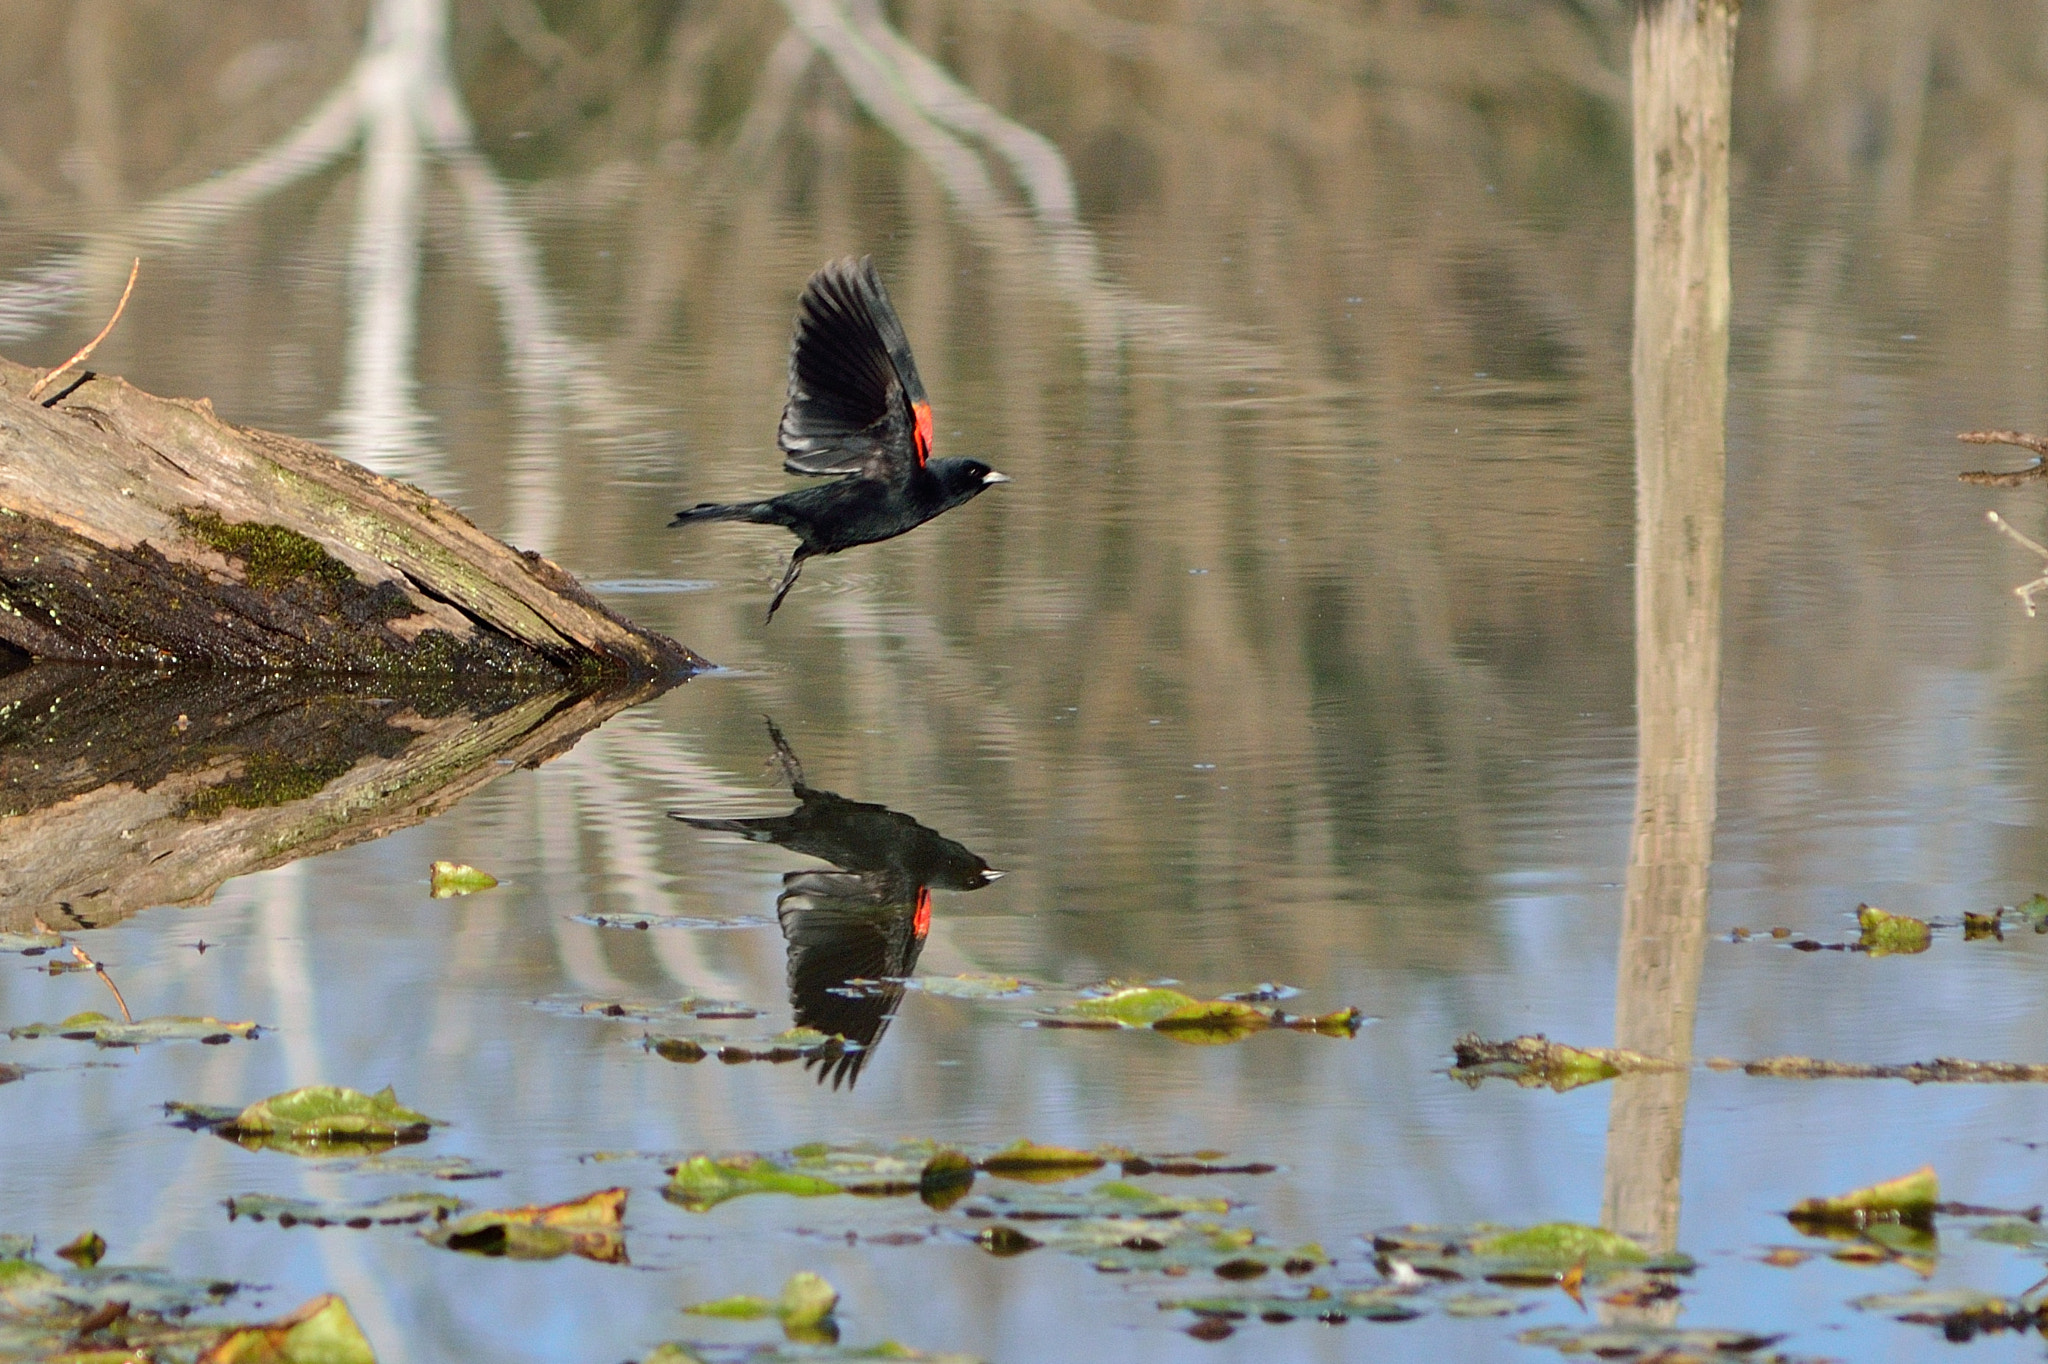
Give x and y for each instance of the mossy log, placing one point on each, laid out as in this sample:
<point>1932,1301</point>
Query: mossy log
<point>124,788</point>
<point>144,530</point>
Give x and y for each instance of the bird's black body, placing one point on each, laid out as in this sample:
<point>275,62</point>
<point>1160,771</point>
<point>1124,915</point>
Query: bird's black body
<point>856,411</point>
<point>866,921</point>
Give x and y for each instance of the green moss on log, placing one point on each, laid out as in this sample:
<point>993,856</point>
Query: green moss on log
<point>267,779</point>
<point>271,555</point>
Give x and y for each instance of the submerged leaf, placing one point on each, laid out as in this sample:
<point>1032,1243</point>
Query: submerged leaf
<point>457,878</point>
<point>804,1306</point>
<point>1887,934</point>
<point>969,985</point>
<point>1909,1198</point>
<point>589,1227</point>
<point>29,944</point>
<point>112,1032</point>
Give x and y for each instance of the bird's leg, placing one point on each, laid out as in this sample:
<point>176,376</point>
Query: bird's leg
<point>796,566</point>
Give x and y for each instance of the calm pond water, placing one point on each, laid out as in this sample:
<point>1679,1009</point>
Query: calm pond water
<point>1300,651</point>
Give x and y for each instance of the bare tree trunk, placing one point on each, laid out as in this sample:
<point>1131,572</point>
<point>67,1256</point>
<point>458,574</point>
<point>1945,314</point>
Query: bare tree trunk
<point>138,529</point>
<point>1684,55</point>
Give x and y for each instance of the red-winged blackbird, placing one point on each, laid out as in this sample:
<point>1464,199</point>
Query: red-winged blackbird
<point>856,409</point>
<point>865,922</point>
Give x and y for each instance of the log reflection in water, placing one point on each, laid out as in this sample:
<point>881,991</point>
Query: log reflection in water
<point>123,788</point>
<point>1683,60</point>
<point>866,922</point>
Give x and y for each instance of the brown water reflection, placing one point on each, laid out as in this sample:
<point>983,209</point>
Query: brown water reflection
<point>1302,649</point>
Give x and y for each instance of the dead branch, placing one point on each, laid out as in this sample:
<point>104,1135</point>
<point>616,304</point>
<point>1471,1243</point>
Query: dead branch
<point>2025,591</point>
<point>100,970</point>
<point>84,353</point>
<point>1992,478</point>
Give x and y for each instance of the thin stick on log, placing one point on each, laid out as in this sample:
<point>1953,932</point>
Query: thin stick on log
<point>85,352</point>
<point>2025,591</point>
<point>101,971</point>
<point>1992,478</point>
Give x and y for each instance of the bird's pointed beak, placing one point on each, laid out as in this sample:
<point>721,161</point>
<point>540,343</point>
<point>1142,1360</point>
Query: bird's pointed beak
<point>995,476</point>
<point>991,874</point>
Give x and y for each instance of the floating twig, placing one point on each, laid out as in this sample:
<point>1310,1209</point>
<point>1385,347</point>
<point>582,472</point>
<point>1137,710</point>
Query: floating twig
<point>101,971</point>
<point>2025,591</point>
<point>84,352</point>
<point>1992,478</point>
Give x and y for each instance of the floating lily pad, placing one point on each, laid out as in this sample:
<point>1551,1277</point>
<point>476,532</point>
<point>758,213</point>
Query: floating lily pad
<point>458,878</point>
<point>452,1168</point>
<point>804,1307</point>
<point>1188,1019</point>
<point>969,985</point>
<point>321,1332</point>
<point>1534,1060</point>
<point>1961,1313</point>
<point>1517,1256</point>
<point>1643,1341</point>
<point>591,1227</point>
<point>1113,1198</point>
<point>112,1032</point>
<point>703,1181</point>
<point>390,1211</point>
<point>85,1250</point>
<point>1909,1198</point>
<point>647,1011</point>
<point>1887,934</point>
<point>679,1352</point>
<point>315,1120</point>
<point>30,944</point>
<point>1027,1160</point>
<point>1315,1304</point>
<point>794,1044</point>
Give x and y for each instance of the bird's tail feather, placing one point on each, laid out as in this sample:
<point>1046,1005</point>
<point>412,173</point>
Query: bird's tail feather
<point>723,511</point>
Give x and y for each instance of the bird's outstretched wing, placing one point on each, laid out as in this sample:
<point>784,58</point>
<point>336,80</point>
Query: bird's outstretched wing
<point>856,405</point>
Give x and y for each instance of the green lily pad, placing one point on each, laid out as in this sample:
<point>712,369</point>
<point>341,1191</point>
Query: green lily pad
<point>1027,1160</point>
<point>591,1227</point>
<point>1909,1198</point>
<point>680,1352</point>
<point>2034,912</point>
<point>805,1305</point>
<point>389,1211</point>
<point>1533,1257</point>
<point>1639,1341</point>
<point>1887,934</point>
<point>449,1167</point>
<point>1534,1060</point>
<point>647,1011</point>
<point>1113,1198</point>
<point>794,1044</point>
<point>321,1332</point>
<point>703,1181</point>
<point>1187,1019</point>
<point>30,944</point>
<point>969,985</point>
<point>85,1250</point>
<point>458,878</point>
<point>315,1120</point>
<point>1317,1304</point>
<point>112,1032</point>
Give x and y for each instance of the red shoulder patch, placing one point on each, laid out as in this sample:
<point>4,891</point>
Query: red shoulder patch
<point>921,433</point>
<point>922,923</point>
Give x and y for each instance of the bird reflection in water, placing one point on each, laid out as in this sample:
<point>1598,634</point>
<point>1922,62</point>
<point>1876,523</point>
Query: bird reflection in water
<point>865,922</point>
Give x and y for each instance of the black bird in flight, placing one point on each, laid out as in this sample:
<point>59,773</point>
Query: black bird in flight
<point>857,410</point>
<point>865,922</point>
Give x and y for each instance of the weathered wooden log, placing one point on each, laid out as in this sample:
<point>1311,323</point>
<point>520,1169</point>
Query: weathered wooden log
<point>145,530</point>
<point>125,788</point>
